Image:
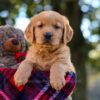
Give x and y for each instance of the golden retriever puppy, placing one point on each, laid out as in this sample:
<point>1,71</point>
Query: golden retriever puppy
<point>48,32</point>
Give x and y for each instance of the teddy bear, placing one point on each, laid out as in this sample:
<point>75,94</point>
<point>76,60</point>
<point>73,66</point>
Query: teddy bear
<point>12,41</point>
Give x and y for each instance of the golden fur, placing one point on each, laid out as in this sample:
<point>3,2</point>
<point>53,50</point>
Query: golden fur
<point>53,56</point>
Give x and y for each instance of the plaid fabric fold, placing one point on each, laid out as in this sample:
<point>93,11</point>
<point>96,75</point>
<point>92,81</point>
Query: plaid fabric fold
<point>37,88</point>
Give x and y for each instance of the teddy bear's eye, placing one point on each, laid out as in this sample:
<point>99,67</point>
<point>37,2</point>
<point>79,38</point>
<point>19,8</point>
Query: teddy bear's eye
<point>10,36</point>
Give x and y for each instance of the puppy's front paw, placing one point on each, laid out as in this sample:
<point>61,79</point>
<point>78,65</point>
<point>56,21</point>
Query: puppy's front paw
<point>20,79</point>
<point>57,82</point>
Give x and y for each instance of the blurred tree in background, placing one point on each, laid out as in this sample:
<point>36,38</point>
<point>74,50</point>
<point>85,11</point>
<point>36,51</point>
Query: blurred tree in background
<point>85,52</point>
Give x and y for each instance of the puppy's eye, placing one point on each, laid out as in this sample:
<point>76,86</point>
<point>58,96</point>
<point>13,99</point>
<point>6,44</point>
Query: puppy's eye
<point>56,26</point>
<point>40,25</point>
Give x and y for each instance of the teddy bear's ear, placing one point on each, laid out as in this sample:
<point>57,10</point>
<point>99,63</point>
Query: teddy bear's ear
<point>29,32</point>
<point>68,31</point>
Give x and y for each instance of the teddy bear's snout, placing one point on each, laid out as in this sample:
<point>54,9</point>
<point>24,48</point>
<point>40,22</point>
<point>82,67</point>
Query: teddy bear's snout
<point>15,42</point>
<point>12,45</point>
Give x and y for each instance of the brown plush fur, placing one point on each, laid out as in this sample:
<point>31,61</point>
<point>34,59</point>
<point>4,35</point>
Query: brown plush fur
<point>53,56</point>
<point>11,41</point>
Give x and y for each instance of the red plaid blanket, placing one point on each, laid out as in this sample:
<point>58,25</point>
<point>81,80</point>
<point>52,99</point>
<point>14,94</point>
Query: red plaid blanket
<point>37,88</point>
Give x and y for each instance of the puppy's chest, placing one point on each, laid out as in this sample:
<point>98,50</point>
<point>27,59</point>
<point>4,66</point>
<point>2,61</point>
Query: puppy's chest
<point>45,61</point>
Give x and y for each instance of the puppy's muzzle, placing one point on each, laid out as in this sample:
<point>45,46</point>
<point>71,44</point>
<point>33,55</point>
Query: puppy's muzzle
<point>47,37</point>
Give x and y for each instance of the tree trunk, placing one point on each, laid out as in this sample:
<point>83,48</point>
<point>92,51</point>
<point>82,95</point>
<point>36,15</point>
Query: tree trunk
<point>71,9</point>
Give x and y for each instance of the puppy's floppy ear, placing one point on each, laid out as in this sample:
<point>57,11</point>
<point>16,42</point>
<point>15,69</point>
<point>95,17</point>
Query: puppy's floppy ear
<point>29,32</point>
<point>68,31</point>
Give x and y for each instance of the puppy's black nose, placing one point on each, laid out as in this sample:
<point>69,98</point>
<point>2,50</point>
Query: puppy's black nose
<point>15,42</point>
<point>48,36</point>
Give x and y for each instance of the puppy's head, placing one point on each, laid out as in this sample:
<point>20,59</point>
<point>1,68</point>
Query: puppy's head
<point>49,28</point>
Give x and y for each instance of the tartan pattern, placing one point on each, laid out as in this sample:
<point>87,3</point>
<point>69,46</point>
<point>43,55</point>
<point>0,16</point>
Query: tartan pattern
<point>20,56</point>
<point>37,88</point>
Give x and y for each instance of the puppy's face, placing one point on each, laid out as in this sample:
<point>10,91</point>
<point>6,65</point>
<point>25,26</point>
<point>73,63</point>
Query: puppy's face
<point>49,28</point>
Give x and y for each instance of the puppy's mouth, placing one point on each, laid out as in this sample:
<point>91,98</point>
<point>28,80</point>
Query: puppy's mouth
<point>47,42</point>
